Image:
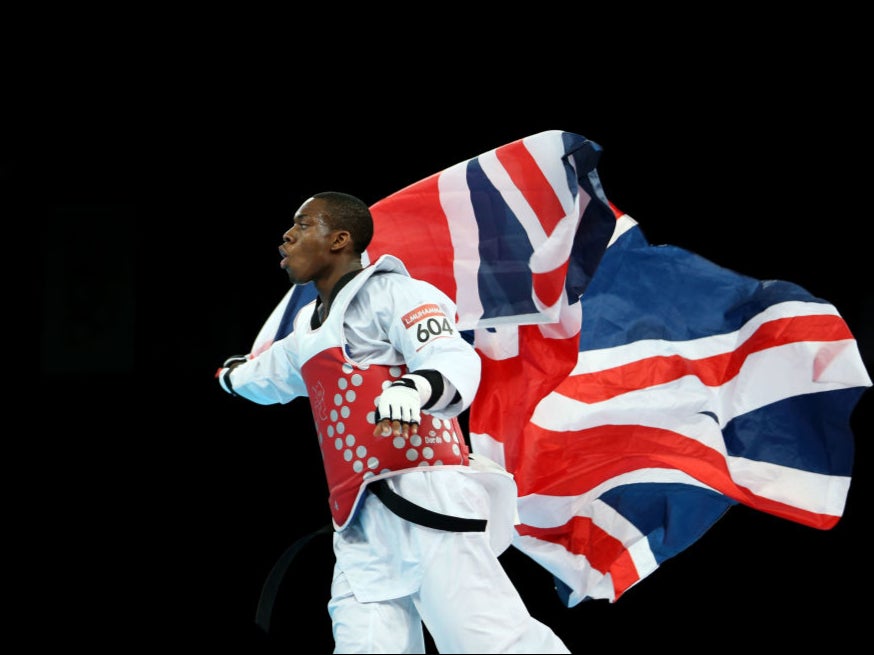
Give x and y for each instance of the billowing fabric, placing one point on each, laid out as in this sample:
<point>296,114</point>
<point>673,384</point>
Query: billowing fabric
<point>636,392</point>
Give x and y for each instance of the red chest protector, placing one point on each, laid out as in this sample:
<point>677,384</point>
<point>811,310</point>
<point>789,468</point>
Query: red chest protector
<point>343,400</point>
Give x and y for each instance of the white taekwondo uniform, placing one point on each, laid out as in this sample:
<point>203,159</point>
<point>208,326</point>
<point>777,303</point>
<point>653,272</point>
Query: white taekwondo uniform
<point>389,572</point>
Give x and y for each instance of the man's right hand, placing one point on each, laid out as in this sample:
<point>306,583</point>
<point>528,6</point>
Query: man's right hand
<point>398,410</point>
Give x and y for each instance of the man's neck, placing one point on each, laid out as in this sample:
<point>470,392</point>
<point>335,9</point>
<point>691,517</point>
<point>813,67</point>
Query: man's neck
<point>324,306</point>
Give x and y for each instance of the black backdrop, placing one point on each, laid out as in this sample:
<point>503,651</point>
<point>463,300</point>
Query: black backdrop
<point>152,214</point>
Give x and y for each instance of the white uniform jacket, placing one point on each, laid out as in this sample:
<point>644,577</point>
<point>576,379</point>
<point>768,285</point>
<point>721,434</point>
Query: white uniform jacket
<point>384,317</point>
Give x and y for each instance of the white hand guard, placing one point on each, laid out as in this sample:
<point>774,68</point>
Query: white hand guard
<point>233,360</point>
<point>223,374</point>
<point>400,402</point>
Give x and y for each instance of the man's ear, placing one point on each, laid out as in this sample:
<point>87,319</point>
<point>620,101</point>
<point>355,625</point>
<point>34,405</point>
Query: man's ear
<point>342,238</point>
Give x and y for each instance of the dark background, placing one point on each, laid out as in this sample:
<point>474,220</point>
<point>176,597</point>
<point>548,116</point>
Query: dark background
<point>153,197</point>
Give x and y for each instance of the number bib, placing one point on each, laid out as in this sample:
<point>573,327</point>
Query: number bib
<point>427,323</point>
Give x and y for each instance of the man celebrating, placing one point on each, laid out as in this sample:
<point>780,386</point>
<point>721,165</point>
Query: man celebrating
<point>387,373</point>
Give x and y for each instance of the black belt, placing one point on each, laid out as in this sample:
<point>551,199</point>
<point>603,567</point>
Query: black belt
<point>397,504</point>
<point>417,514</point>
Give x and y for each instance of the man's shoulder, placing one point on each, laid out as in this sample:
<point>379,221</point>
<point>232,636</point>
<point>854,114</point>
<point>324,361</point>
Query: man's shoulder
<point>388,263</point>
<point>389,273</point>
<point>401,288</point>
<point>392,279</point>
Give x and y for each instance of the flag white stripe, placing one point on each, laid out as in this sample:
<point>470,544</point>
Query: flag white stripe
<point>569,567</point>
<point>605,358</point>
<point>765,377</point>
<point>679,405</point>
<point>464,233</point>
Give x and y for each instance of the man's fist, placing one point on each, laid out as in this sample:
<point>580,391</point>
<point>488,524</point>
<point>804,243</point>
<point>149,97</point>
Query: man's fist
<point>398,409</point>
<point>230,363</point>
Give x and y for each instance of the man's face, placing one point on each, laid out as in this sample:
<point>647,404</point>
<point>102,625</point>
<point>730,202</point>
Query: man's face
<point>306,245</point>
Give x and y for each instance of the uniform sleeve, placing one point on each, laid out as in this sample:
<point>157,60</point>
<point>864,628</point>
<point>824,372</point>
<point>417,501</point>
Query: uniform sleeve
<point>421,326</point>
<point>273,377</point>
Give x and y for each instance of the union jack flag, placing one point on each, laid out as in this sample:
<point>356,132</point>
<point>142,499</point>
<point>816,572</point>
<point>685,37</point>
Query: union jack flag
<point>635,392</point>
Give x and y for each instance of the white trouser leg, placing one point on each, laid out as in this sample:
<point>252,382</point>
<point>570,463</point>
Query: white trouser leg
<point>470,605</point>
<point>391,626</point>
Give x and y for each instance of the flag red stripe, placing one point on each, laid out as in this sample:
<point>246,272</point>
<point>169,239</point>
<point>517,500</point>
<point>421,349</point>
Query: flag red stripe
<point>413,221</point>
<point>603,552</point>
<point>712,371</point>
<point>573,463</point>
<point>532,183</point>
<point>548,287</point>
<point>541,197</point>
<point>524,382</point>
<point>587,458</point>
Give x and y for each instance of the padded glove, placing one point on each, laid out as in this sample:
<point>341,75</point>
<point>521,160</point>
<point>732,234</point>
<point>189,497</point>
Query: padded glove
<point>230,362</point>
<point>224,372</point>
<point>400,402</point>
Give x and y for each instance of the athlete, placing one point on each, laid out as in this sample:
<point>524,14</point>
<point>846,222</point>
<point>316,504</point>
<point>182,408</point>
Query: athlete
<point>418,521</point>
